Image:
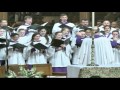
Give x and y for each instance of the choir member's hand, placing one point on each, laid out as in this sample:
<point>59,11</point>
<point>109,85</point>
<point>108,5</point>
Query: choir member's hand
<point>63,45</point>
<point>60,48</point>
<point>115,39</point>
<point>33,50</point>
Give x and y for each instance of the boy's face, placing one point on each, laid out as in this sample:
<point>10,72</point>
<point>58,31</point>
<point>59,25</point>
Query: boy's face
<point>63,18</point>
<point>15,38</point>
<point>88,33</point>
<point>22,33</point>
<point>115,34</point>
<point>83,34</point>
<point>28,20</point>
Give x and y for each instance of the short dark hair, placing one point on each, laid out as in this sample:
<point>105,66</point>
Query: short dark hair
<point>115,31</point>
<point>27,17</point>
<point>63,14</point>
<point>99,21</point>
<point>82,31</point>
<point>106,20</point>
<point>34,36</point>
<point>57,32</point>
<point>84,20</point>
<point>14,34</point>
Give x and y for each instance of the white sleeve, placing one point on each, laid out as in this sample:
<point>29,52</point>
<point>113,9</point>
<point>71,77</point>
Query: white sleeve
<point>69,51</point>
<point>27,52</point>
<point>22,27</point>
<point>73,42</point>
<point>85,52</point>
<point>50,39</point>
<point>74,32</point>
<point>55,28</point>
<point>50,51</point>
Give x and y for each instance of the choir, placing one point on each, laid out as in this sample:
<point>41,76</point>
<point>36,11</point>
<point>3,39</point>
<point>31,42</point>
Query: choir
<point>68,44</point>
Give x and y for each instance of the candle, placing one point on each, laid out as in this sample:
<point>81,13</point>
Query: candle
<point>93,19</point>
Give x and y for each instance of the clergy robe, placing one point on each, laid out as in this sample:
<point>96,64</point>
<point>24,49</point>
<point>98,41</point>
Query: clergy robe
<point>116,51</point>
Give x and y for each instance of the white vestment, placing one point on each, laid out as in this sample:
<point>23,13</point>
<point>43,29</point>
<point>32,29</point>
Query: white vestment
<point>116,52</point>
<point>103,53</point>
<point>84,52</point>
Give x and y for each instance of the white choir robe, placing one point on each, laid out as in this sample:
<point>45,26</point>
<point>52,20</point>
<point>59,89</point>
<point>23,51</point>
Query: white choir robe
<point>3,54</point>
<point>103,51</point>
<point>36,57</point>
<point>44,41</point>
<point>69,50</point>
<point>49,50</point>
<point>73,46</point>
<point>109,35</point>
<point>56,27</point>
<point>23,40</point>
<point>82,54</point>
<point>30,33</point>
<point>15,57</point>
<point>60,58</point>
<point>76,49</point>
<point>116,53</point>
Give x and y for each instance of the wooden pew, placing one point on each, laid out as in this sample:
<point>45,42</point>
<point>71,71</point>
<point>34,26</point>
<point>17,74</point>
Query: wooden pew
<point>46,68</point>
<point>15,68</point>
<point>2,71</point>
